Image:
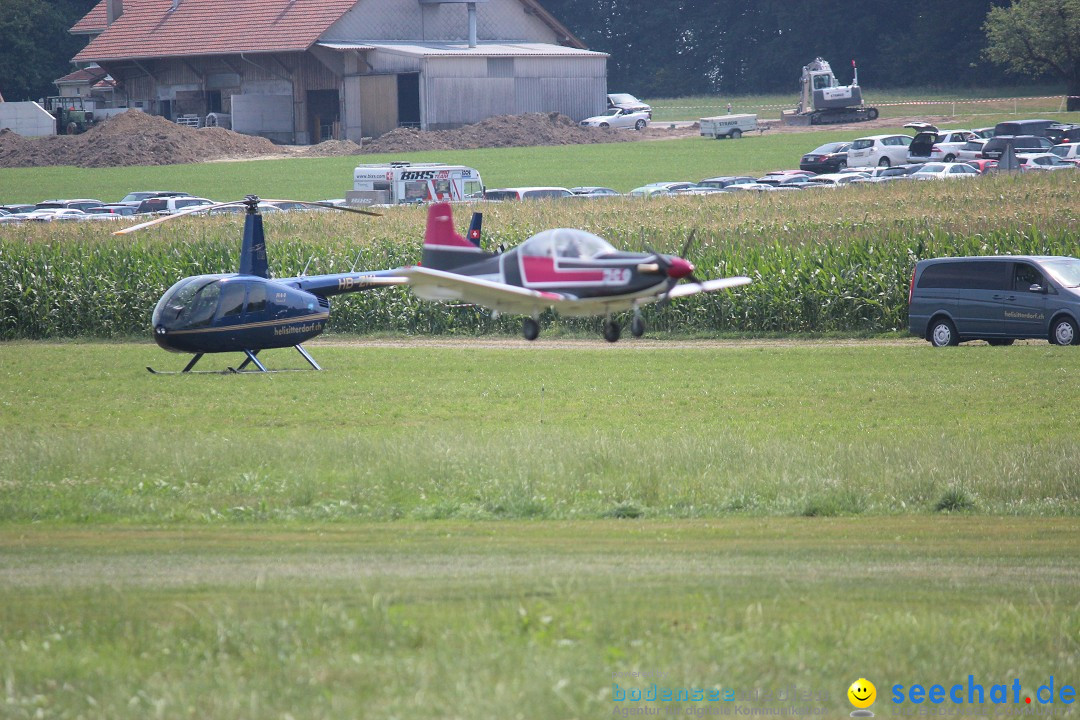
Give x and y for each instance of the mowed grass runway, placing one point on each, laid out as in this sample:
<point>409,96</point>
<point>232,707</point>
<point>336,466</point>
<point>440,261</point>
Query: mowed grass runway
<point>483,529</point>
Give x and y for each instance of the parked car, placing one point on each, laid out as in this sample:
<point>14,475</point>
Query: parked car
<point>726,181</point>
<point>1063,133</point>
<point>594,191</point>
<point>627,101</point>
<point>995,146</point>
<point>170,204</point>
<point>879,173</point>
<point>879,150</point>
<point>618,118</point>
<point>786,180</point>
<point>1042,162</point>
<point>984,132</point>
<point>835,179</point>
<point>983,166</point>
<point>944,171</point>
<point>78,204</point>
<point>826,158</point>
<point>941,145</point>
<point>16,208</point>
<point>1023,127</point>
<point>527,193</point>
<point>49,214</point>
<point>139,195</point>
<point>114,209</point>
<point>1069,152</point>
<point>971,150</point>
<point>997,299</point>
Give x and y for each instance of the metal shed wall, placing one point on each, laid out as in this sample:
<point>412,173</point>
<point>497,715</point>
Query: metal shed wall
<point>460,91</point>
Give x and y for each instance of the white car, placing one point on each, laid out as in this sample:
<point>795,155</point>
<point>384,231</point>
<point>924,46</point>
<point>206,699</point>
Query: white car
<point>835,179</point>
<point>944,171</point>
<point>971,150</point>
<point>1070,152</point>
<point>938,145</point>
<point>619,118</point>
<point>1043,161</point>
<point>626,101</point>
<point>879,150</point>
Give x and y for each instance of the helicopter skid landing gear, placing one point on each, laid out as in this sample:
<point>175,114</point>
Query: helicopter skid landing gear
<point>307,357</point>
<point>611,330</point>
<point>187,368</point>
<point>250,359</point>
<point>530,329</point>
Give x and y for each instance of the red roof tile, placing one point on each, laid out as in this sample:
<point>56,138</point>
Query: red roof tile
<point>93,21</point>
<point>152,29</point>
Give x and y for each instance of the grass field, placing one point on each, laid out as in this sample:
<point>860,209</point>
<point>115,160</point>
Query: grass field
<point>463,531</point>
<point>647,429</point>
<point>528,620</point>
<point>966,104</point>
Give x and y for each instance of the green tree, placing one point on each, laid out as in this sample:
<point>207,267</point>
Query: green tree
<point>35,45</point>
<point>1037,38</point>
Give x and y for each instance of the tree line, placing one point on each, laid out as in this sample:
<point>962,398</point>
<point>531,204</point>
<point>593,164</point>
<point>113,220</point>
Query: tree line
<point>673,48</point>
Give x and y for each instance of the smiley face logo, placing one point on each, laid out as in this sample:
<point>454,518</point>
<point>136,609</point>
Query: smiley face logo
<point>862,693</point>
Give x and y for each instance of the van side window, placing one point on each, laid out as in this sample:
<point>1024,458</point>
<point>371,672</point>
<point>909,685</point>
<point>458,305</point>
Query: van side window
<point>1024,276</point>
<point>973,275</point>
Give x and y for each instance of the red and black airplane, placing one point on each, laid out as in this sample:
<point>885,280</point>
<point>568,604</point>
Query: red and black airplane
<point>572,271</point>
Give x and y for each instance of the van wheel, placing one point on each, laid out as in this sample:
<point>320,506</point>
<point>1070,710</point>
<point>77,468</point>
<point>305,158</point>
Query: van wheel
<point>736,134</point>
<point>943,333</point>
<point>1064,332</point>
<point>884,162</point>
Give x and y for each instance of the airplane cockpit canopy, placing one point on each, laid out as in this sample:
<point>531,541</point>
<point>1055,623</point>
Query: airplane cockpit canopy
<point>566,243</point>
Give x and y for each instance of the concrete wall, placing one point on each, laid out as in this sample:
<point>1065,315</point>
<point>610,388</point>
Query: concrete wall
<point>27,118</point>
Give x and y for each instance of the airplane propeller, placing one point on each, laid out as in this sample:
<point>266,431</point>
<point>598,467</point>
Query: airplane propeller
<point>676,267</point>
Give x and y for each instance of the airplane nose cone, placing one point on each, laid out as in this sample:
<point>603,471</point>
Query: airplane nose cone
<point>679,268</point>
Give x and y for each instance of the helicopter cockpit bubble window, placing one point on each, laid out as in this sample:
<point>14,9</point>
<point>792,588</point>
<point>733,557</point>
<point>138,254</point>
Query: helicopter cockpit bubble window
<point>566,243</point>
<point>232,299</point>
<point>175,308</point>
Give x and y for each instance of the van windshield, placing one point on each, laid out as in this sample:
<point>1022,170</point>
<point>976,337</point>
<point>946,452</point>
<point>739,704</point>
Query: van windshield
<point>1065,270</point>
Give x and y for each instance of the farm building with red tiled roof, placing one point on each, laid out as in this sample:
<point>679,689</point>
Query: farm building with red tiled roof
<point>304,71</point>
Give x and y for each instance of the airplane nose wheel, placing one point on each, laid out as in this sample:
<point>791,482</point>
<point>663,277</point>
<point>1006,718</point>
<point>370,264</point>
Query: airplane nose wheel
<point>611,330</point>
<point>530,329</point>
<point>637,326</point>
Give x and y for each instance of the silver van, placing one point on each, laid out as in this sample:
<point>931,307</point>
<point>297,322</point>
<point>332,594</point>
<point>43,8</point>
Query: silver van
<point>995,298</point>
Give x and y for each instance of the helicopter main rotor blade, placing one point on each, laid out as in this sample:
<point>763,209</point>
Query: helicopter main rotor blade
<point>179,213</point>
<point>331,206</point>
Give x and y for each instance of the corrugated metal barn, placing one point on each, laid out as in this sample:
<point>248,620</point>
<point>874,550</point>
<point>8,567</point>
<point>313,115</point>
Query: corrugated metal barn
<point>309,70</point>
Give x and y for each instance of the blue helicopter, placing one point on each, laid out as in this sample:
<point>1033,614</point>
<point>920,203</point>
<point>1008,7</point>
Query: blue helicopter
<point>248,311</point>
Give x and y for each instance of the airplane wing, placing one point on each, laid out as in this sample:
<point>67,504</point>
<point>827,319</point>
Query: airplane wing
<point>429,284</point>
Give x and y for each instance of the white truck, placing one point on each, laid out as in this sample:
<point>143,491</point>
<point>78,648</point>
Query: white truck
<point>404,182</point>
<point>727,126</point>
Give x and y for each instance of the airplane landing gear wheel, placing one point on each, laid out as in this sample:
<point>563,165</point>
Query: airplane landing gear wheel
<point>530,329</point>
<point>611,330</point>
<point>637,326</point>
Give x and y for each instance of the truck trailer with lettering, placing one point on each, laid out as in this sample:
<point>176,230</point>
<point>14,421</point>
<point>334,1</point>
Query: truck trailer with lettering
<point>403,182</point>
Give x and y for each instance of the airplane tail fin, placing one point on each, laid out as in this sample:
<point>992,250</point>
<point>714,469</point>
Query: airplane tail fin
<point>444,249</point>
<point>253,249</point>
<point>475,228</point>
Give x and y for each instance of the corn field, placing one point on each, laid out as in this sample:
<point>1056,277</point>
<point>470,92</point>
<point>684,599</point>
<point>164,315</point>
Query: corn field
<point>822,261</point>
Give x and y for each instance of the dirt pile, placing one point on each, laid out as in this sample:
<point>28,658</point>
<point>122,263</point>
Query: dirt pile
<point>501,131</point>
<point>135,138</point>
<point>131,138</point>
